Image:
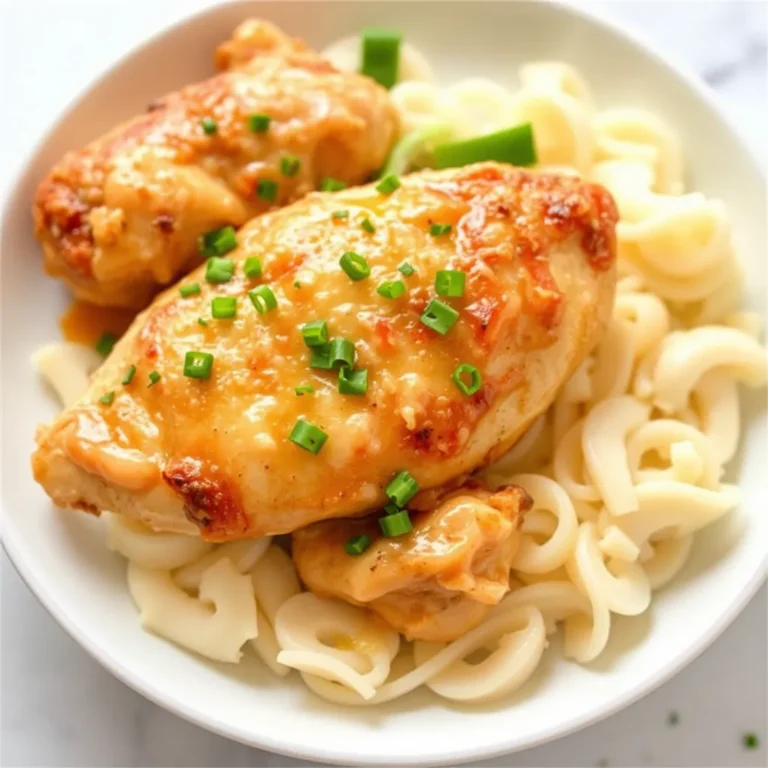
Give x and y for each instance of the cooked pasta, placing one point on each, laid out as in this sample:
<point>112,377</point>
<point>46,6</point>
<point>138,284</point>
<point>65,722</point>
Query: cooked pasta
<point>623,469</point>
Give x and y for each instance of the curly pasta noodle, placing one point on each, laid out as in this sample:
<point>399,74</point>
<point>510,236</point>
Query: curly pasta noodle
<point>623,469</point>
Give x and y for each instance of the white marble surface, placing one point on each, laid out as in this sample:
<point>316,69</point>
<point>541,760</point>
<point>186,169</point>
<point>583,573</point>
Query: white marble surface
<point>59,707</point>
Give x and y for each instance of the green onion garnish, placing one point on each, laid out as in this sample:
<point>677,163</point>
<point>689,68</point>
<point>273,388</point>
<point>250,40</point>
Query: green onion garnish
<point>673,718</point>
<point>304,389</point>
<point>258,123</point>
<point>154,377</point>
<point>357,545</point>
<point>208,124</point>
<point>263,298</point>
<point>511,145</point>
<point>189,290</point>
<point>315,334</point>
<point>129,374</point>
<point>320,357</point>
<point>397,524</point>
<point>223,307</point>
<point>107,398</point>
<point>217,242</point>
<point>219,270</point>
<point>406,269</point>
<point>197,365</point>
<point>750,740</point>
<point>252,267</point>
<point>266,189</point>
<point>329,184</point>
<point>402,488</point>
<point>475,379</point>
<point>342,353</point>
<point>289,165</point>
<point>367,226</point>
<point>391,508</point>
<point>439,317</point>
<point>438,230</point>
<point>105,343</point>
<point>355,266</point>
<point>308,436</point>
<point>391,290</point>
<point>353,381</point>
<point>381,55</point>
<point>450,282</point>
<point>388,184</point>
<point>202,321</point>
<point>343,214</point>
<point>296,284</point>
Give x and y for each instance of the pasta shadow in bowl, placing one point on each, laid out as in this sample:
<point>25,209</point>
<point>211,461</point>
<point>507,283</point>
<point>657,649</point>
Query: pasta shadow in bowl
<point>82,584</point>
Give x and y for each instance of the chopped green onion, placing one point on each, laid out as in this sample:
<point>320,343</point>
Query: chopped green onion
<point>439,317</point>
<point>208,124</point>
<point>511,145</point>
<point>406,269</point>
<point>197,365</point>
<point>308,436</point>
<point>217,242</point>
<point>450,282</point>
<point>263,298</point>
<point>438,230</point>
<point>357,545</point>
<point>129,374</point>
<point>353,381</point>
<point>402,488</point>
<point>397,524</point>
<point>107,398</point>
<point>750,740</point>
<point>201,321</point>
<point>342,353</point>
<point>289,165</point>
<point>673,718</point>
<point>252,267</point>
<point>315,334</point>
<point>475,379</point>
<point>320,357</point>
<point>391,508</point>
<point>304,389</point>
<point>296,284</point>
<point>219,270</point>
<point>367,226</point>
<point>388,184</point>
<point>342,214</point>
<point>189,290</point>
<point>355,266</point>
<point>223,307</point>
<point>258,123</point>
<point>391,290</point>
<point>329,184</point>
<point>413,146</point>
<point>154,377</point>
<point>105,343</point>
<point>381,55</point>
<point>266,189</point>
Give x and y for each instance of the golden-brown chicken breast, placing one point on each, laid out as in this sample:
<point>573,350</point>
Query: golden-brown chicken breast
<point>122,217</point>
<point>435,583</point>
<point>211,448</point>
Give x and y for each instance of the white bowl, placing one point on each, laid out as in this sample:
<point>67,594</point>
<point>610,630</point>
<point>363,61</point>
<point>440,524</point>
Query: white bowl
<point>63,557</point>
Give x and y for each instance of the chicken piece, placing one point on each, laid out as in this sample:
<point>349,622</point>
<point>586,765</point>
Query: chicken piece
<point>435,583</point>
<point>122,217</point>
<point>215,455</point>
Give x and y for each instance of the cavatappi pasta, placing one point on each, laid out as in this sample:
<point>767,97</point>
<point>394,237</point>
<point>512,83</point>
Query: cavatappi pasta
<point>624,468</point>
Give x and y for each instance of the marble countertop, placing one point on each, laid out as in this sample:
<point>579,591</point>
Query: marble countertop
<point>59,707</point>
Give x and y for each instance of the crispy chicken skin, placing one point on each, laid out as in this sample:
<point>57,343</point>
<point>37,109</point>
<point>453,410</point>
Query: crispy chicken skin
<point>435,583</point>
<point>121,218</point>
<point>214,455</point>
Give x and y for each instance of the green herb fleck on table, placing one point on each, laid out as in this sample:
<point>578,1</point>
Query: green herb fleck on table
<point>673,718</point>
<point>750,740</point>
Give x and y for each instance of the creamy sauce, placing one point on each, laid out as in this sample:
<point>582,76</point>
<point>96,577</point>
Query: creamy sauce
<point>85,323</point>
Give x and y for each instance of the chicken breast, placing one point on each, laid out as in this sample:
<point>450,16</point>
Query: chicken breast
<point>215,454</point>
<point>435,583</point>
<point>122,217</point>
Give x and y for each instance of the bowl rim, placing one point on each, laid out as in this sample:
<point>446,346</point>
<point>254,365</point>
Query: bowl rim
<point>277,745</point>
